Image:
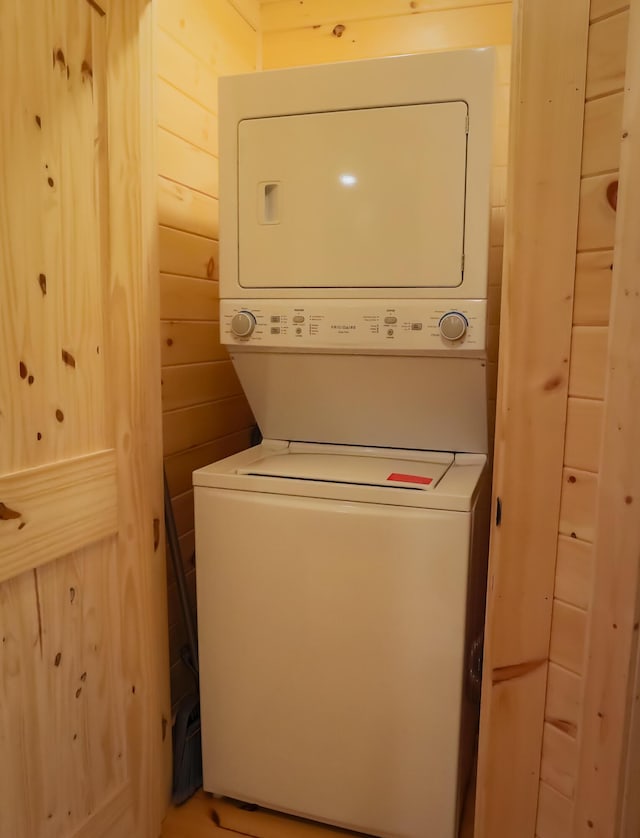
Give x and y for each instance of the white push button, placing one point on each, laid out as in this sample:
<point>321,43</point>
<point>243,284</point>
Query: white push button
<point>390,321</point>
<point>298,318</point>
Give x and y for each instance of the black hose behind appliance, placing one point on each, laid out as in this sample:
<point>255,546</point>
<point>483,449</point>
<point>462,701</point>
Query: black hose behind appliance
<point>187,744</point>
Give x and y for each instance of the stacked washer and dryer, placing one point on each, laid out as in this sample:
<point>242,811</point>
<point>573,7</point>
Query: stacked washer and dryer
<point>341,563</point>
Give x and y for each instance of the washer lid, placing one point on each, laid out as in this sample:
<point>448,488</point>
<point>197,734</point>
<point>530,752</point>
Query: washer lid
<point>360,470</point>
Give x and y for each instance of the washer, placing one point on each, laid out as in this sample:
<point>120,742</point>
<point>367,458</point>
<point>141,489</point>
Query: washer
<point>340,564</point>
<point>336,582</point>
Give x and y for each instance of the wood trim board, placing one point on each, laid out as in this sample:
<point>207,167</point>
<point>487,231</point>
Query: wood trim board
<point>547,107</point>
<point>606,804</point>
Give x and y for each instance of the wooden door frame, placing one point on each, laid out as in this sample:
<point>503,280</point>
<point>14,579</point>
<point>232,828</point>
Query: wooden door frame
<point>607,800</point>
<point>135,379</point>
<point>546,126</point>
<point>550,51</point>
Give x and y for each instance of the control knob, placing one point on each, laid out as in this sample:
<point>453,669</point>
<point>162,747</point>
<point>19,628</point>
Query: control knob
<point>242,324</point>
<point>453,325</point>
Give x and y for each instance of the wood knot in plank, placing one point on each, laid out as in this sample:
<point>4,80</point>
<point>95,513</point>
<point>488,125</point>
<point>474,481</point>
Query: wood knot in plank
<point>515,670</point>
<point>68,358</point>
<point>156,534</point>
<point>59,59</point>
<point>338,30</point>
<point>7,514</point>
<point>211,268</point>
<point>565,726</point>
<point>42,282</point>
<point>553,383</point>
<point>23,370</point>
<point>59,415</point>
<point>612,195</point>
<point>86,71</point>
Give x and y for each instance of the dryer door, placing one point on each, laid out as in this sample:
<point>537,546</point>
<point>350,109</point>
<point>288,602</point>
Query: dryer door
<point>370,198</point>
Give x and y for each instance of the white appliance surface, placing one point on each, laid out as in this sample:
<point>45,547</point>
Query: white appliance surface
<point>371,178</point>
<point>380,400</point>
<point>332,634</point>
<point>321,194</point>
<point>311,469</point>
<point>389,326</point>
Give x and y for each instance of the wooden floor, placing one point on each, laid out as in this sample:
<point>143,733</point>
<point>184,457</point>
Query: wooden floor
<point>207,817</point>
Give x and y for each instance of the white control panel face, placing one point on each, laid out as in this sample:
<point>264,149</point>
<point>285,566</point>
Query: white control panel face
<point>416,326</point>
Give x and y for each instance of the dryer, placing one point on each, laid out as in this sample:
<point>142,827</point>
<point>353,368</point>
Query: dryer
<point>340,564</point>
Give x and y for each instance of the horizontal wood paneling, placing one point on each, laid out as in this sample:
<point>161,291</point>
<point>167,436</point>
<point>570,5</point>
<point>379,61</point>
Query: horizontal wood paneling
<point>183,513</point>
<point>192,384</point>
<point>578,503</point>
<point>186,72</point>
<point>584,428</point>
<point>50,511</point>
<point>216,33</point>
<point>600,8</point>
<point>185,209</point>
<point>602,131</point>
<point>182,116</point>
<point>499,183</point>
<point>188,298</point>
<point>186,342</point>
<point>192,426</point>
<point>607,55</point>
<point>593,288</point>
<point>496,227</point>
<point>180,466</point>
<point>422,32</point>
<point>588,361</point>
<point>574,571</point>
<point>568,636</point>
<point>592,292</point>
<point>559,760</point>
<point>187,254</point>
<point>563,699</point>
<point>197,41</point>
<point>597,221</point>
<point>182,162</point>
<point>292,14</point>
<point>250,11</point>
<point>555,813</point>
<point>496,255</point>
<point>493,305</point>
<point>173,601</point>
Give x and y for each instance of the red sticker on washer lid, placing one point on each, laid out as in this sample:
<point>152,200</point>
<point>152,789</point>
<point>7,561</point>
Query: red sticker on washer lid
<point>410,478</point>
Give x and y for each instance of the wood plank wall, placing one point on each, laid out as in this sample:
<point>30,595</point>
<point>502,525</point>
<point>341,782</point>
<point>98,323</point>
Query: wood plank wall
<point>205,414</point>
<point>319,31</point>
<point>574,567</point>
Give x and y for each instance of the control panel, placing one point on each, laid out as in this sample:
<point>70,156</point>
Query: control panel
<point>378,325</point>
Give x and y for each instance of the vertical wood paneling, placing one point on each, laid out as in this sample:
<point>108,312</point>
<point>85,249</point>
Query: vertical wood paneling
<point>197,42</point>
<point>595,268</point>
<point>544,172</point>
<point>607,802</point>
<point>82,752</point>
